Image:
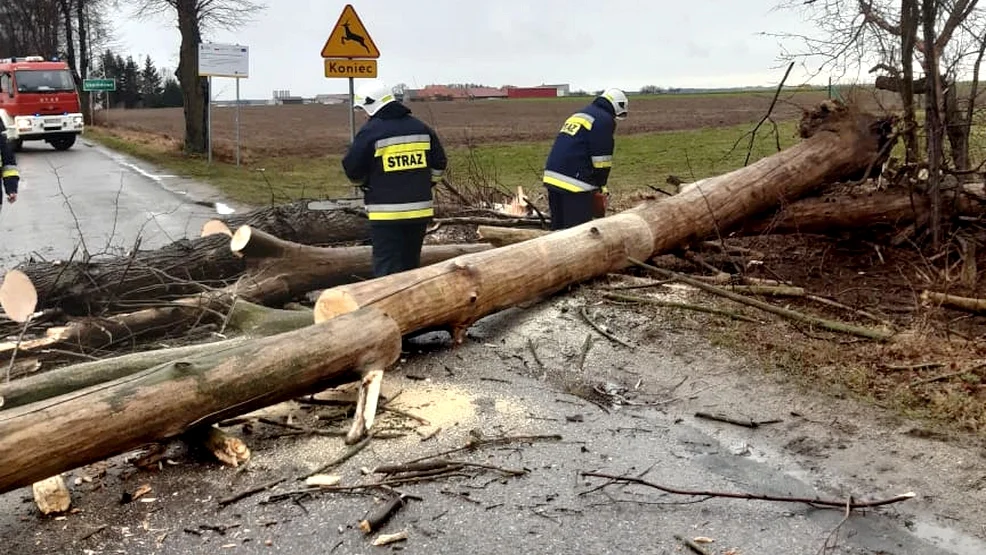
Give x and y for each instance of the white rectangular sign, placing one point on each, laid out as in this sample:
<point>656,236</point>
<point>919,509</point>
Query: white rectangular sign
<point>223,60</point>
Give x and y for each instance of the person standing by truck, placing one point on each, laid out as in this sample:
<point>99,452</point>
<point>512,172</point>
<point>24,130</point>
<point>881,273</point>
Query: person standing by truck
<point>8,172</point>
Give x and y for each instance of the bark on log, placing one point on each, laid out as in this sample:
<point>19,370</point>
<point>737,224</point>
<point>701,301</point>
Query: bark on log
<point>301,222</point>
<point>457,293</point>
<point>968,304</point>
<point>80,376</point>
<point>43,439</point>
<point>83,288</point>
<point>98,335</point>
<point>885,211</point>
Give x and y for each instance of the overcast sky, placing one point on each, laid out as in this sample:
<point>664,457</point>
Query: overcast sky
<point>589,44</point>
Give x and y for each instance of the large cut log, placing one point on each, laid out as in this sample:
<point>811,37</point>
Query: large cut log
<point>359,326</point>
<point>456,293</point>
<point>44,439</point>
<point>871,213</point>
<point>311,222</point>
<point>82,287</point>
<point>280,271</point>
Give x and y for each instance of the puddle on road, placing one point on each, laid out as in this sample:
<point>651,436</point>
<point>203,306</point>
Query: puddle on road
<point>949,539</point>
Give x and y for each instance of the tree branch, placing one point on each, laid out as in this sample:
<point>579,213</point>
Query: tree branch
<point>851,504</point>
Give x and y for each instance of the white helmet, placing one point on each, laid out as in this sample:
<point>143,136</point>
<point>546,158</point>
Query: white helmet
<point>373,96</point>
<point>618,99</point>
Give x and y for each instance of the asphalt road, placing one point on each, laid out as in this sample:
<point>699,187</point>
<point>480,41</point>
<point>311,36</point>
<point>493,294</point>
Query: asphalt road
<point>493,385</point>
<point>107,199</point>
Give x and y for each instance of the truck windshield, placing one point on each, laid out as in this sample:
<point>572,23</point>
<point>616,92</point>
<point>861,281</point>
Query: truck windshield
<point>34,80</point>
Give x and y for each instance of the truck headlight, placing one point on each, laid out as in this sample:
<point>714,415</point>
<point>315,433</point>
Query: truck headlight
<point>23,123</point>
<point>77,120</point>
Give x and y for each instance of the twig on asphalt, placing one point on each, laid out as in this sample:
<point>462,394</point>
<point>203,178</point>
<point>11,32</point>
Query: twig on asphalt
<point>747,423</point>
<point>603,331</point>
<point>691,545</point>
<point>852,504</point>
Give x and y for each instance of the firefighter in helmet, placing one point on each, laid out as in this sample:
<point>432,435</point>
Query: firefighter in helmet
<point>578,166</point>
<point>396,159</point>
<point>8,173</point>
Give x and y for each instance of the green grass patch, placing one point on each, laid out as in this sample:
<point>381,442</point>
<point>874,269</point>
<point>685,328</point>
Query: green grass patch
<point>639,160</point>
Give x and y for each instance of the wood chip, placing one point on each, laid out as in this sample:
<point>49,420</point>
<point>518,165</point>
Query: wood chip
<point>384,539</point>
<point>51,495</point>
<point>323,480</point>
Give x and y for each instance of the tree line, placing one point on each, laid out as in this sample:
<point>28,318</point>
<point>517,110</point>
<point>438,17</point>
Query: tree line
<point>138,86</point>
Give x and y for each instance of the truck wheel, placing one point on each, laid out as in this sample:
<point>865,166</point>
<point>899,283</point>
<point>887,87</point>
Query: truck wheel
<point>17,145</point>
<point>63,143</point>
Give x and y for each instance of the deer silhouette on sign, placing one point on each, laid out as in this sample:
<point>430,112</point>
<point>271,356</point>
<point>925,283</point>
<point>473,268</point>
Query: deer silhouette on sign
<point>350,35</point>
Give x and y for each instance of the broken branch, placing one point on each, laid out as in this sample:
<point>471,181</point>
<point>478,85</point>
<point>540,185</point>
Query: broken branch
<point>754,496</point>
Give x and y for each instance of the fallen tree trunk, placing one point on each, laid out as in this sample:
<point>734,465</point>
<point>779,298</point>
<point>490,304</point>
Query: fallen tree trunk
<point>44,439</point>
<point>968,304</point>
<point>312,222</point>
<point>360,325</point>
<point>97,336</point>
<point>456,293</point>
<point>885,211</point>
<point>182,268</point>
<point>280,271</point>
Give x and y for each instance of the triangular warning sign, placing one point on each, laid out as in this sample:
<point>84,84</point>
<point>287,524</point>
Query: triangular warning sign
<point>349,38</point>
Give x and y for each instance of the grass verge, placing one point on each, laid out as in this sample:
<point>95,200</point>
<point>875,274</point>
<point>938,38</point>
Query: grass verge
<point>640,160</point>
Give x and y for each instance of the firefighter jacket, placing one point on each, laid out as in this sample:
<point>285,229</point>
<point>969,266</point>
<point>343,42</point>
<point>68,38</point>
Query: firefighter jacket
<point>8,172</point>
<point>581,158</point>
<point>396,159</point>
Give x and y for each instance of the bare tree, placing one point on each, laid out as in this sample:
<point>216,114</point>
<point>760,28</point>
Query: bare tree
<point>195,17</point>
<point>946,38</point>
<point>880,34</point>
<point>29,27</point>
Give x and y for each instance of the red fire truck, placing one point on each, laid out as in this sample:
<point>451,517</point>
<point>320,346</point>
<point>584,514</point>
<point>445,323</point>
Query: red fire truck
<point>39,102</point>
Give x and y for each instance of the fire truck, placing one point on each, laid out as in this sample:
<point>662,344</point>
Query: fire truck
<point>39,102</point>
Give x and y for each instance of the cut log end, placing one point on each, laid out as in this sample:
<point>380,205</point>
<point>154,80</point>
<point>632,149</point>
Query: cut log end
<point>228,449</point>
<point>215,227</point>
<point>18,296</point>
<point>333,303</point>
<point>240,239</point>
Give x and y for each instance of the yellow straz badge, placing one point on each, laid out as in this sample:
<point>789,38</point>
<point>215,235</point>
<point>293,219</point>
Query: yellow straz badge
<point>404,161</point>
<point>573,123</point>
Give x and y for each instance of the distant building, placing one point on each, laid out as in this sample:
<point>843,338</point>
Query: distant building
<point>331,98</point>
<point>532,92</point>
<point>483,93</point>
<point>440,92</point>
<point>563,90</point>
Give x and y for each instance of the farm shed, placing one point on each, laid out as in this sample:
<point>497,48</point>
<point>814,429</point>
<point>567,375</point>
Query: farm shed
<point>532,92</point>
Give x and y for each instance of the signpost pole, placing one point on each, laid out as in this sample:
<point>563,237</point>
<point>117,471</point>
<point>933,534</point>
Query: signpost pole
<point>237,121</point>
<point>352,112</point>
<point>208,117</point>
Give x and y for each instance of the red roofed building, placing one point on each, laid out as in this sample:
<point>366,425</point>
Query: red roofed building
<point>486,92</point>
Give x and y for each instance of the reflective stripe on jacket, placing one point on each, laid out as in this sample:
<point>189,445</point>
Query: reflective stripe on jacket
<point>396,159</point>
<point>582,155</point>
<point>8,164</point>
